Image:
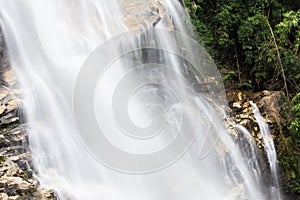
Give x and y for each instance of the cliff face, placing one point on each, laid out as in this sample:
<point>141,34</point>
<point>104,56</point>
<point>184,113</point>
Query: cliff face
<point>272,105</point>
<point>16,172</point>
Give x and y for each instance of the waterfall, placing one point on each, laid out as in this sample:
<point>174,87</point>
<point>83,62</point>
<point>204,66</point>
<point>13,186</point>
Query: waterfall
<point>118,65</point>
<point>249,148</point>
<point>270,150</point>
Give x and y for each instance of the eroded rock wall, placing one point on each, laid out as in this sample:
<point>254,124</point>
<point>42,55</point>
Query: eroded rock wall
<point>272,106</point>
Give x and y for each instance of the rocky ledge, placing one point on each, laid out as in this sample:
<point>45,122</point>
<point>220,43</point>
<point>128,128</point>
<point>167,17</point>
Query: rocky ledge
<point>139,14</point>
<point>17,180</point>
<point>270,104</point>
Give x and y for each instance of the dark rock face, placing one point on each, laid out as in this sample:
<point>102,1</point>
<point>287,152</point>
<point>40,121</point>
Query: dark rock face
<point>16,171</point>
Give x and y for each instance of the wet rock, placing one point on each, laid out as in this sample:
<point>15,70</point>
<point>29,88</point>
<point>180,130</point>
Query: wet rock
<point>16,172</point>
<point>4,142</point>
<point>9,77</point>
<point>3,196</point>
<point>16,185</point>
<point>17,197</point>
<point>270,104</point>
<point>140,14</point>
<point>236,105</point>
<point>4,63</point>
<point>3,93</point>
<point>12,105</point>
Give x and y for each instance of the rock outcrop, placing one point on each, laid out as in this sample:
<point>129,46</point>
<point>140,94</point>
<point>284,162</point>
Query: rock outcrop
<point>270,104</point>
<point>140,14</point>
<point>17,181</point>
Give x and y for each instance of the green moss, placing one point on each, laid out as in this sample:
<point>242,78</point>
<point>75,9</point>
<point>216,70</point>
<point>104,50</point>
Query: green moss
<point>2,159</point>
<point>25,176</point>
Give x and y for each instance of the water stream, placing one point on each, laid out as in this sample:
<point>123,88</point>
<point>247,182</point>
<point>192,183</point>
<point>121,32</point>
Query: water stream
<point>270,150</point>
<point>48,43</point>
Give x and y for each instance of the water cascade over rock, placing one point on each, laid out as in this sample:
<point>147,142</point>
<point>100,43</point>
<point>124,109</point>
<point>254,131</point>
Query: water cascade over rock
<point>156,78</point>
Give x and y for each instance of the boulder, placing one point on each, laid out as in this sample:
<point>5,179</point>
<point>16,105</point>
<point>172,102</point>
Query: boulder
<point>142,14</point>
<point>271,106</point>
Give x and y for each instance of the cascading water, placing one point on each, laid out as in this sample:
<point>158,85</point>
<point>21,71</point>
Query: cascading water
<point>49,41</point>
<point>249,148</point>
<point>269,147</point>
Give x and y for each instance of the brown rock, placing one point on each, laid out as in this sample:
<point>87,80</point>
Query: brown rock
<point>244,116</point>
<point>9,77</point>
<point>2,109</point>
<point>16,197</point>
<point>266,93</point>
<point>4,142</point>
<point>3,196</point>
<point>12,105</point>
<point>19,183</point>
<point>245,122</point>
<point>3,93</point>
<point>271,105</point>
<point>246,105</point>
<point>237,105</point>
<point>16,175</point>
<point>141,14</point>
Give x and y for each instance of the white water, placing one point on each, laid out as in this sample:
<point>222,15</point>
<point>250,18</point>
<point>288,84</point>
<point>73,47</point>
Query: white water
<point>270,150</point>
<point>48,41</point>
<point>249,149</point>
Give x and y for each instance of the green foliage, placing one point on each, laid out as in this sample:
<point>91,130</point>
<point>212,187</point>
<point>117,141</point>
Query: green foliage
<point>246,85</point>
<point>203,34</point>
<point>289,146</point>
<point>294,185</point>
<point>25,176</point>
<point>237,33</point>
<point>295,123</point>
<point>288,27</point>
<point>231,75</point>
